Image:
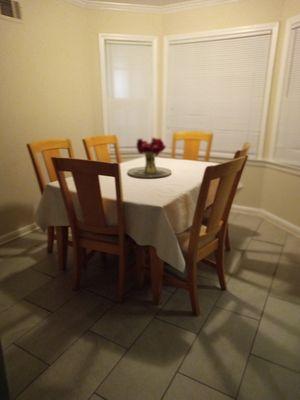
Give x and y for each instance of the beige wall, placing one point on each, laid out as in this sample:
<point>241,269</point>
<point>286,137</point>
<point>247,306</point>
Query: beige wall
<point>281,195</point>
<point>291,8</point>
<point>45,91</point>
<point>242,13</point>
<point>50,87</point>
<point>273,190</point>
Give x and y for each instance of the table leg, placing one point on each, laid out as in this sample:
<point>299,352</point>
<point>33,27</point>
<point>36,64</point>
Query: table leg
<point>62,245</point>
<point>156,274</point>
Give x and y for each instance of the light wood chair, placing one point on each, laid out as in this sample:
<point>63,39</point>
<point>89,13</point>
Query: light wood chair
<point>42,152</point>
<point>91,231</point>
<point>206,236</point>
<point>243,151</point>
<point>192,143</point>
<point>239,153</point>
<point>97,148</point>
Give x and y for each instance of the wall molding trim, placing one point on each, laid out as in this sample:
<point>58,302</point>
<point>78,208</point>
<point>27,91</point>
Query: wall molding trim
<point>272,218</point>
<point>24,230</point>
<point>146,8</point>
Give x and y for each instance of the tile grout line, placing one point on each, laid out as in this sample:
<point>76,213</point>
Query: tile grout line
<point>213,308</point>
<point>189,349</point>
<point>141,333</point>
<point>158,318</point>
<point>32,355</point>
<point>38,306</point>
<point>48,316</point>
<point>54,361</point>
<point>205,384</point>
<point>239,313</point>
<point>155,316</point>
<point>278,365</point>
<point>259,322</point>
<point>246,363</point>
<point>31,382</point>
<point>107,339</point>
<point>98,397</point>
<point>129,348</point>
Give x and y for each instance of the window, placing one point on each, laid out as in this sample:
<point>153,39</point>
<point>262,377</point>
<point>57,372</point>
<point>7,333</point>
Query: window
<point>287,148</point>
<point>219,82</point>
<point>128,84</point>
<point>10,8</point>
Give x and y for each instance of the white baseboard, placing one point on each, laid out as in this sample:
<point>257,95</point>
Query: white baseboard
<point>8,237</point>
<point>272,218</point>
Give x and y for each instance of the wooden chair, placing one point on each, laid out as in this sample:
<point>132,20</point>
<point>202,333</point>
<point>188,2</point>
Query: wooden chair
<point>201,239</point>
<point>91,231</point>
<point>239,153</point>
<point>192,143</point>
<point>47,149</point>
<point>97,148</point>
<point>243,151</point>
<point>212,191</point>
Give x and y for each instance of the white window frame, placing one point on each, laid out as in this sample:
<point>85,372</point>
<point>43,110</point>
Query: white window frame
<point>227,33</point>
<point>152,40</point>
<point>290,24</point>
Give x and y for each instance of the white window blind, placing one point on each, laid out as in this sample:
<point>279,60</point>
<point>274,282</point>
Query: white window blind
<point>129,90</point>
<point>218,84</point>
<point>288,133</point>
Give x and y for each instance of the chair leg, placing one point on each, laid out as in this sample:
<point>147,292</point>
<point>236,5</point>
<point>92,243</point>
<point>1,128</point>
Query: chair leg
<point>227,240</point>
<point>193,291</point>
<point>121,277</point>
<point>220,266</point>
<point>62,245</point>
<point>156,273</point>
<point>50,239</point>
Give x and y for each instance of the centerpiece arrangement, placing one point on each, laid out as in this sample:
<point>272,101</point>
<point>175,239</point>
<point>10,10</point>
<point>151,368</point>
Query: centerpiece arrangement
<point>151,150</point>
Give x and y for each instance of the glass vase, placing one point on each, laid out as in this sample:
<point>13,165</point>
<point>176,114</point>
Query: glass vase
<point>150,167</point>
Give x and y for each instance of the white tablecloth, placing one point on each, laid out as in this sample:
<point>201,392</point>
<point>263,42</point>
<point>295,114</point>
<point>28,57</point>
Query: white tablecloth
<point>156,210</point>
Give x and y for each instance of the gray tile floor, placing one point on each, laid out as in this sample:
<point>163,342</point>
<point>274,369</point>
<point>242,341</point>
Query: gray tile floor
<point>59,344</point>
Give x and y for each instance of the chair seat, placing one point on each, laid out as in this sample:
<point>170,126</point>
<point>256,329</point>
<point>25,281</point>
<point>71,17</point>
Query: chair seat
<point>184,239</point>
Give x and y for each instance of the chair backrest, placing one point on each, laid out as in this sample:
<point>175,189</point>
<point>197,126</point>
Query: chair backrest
<point>243,152</point>
<point>86,175</point>
<point>97,147</point>
<point>47,149</point>
<point>228,175</point>
<point>192,143</point>
<point>214,184</point>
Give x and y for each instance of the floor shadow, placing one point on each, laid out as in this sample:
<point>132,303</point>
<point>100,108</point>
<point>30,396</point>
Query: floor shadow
<point>22,213</point>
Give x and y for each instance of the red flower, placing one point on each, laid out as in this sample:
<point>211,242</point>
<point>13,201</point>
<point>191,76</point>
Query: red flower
<point>156,146</point>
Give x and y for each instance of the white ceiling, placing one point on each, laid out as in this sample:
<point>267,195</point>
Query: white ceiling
<point>148,2</point>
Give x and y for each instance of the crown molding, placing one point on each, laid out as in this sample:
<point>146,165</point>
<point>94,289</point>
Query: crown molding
<point>145,8</point>
<point>115,6</point>
<point>192,4</point>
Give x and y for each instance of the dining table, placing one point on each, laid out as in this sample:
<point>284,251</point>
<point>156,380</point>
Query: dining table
<point>156,211</point>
